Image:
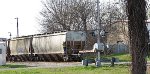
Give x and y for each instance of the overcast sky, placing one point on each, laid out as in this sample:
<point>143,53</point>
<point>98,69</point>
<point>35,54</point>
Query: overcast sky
<point>26,11</point>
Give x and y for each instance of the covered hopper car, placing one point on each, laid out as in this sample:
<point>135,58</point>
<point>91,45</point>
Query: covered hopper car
<point>58,46</point>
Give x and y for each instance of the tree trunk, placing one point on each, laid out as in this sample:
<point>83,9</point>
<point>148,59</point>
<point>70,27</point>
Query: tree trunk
<point>138,33</point>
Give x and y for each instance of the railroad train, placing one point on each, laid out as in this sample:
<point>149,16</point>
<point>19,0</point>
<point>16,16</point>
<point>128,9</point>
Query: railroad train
<point>49,46</point>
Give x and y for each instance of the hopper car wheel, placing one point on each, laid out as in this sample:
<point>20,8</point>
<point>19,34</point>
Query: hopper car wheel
<point>13,58</point>
<point>66,58</point>
<point>79,59</point>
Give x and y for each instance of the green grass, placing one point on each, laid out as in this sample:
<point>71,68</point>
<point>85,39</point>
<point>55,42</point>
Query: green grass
<point>123,57</point>
<point>118,69</point>
<point>13,66</point>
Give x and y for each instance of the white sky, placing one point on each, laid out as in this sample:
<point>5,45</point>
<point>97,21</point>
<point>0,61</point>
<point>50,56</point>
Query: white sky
<point>26,11</point>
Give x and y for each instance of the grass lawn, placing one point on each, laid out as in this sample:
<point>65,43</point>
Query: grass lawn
<point>118,69</point>
<point>13,66</point>
<point>123,57</point>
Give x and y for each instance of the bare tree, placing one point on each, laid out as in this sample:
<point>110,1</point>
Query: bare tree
<point>66,14</point>
<point>84,9</point>
<point>56,15</point>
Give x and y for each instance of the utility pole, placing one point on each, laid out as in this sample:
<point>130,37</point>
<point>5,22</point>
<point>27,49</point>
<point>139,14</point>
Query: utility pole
<point>99,29</point>
<point>17,27</point>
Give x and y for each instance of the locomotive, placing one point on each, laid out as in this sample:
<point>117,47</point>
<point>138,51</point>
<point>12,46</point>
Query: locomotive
<point>56,46</point>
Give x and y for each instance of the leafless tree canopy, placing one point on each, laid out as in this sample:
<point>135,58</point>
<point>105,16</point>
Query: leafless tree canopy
<point>77,15</point>
<point>66,14</point>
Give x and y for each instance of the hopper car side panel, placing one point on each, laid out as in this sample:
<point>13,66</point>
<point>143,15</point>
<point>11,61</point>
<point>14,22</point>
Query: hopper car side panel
<point>48,47</point>
<point>27,45</point>
<point>13,47</point>
<point>22,46</point>
<point>19,48</point>
<point>48,44</point>
<point>35,44</point>
<point>55,45</point>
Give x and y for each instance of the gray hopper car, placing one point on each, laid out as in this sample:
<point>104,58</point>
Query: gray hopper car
<point>47,47</point>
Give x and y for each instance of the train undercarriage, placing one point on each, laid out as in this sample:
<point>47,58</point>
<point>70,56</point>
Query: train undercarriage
<point>44,57</point>
<point>51,57</point>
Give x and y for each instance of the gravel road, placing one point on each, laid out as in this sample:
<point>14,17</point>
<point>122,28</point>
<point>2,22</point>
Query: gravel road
<point>47,64</point>
<point>31,65</point>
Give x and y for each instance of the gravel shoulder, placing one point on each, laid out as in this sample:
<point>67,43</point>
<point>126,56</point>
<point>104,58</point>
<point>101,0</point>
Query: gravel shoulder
<point>47,64</point>
<point>32,65</point>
